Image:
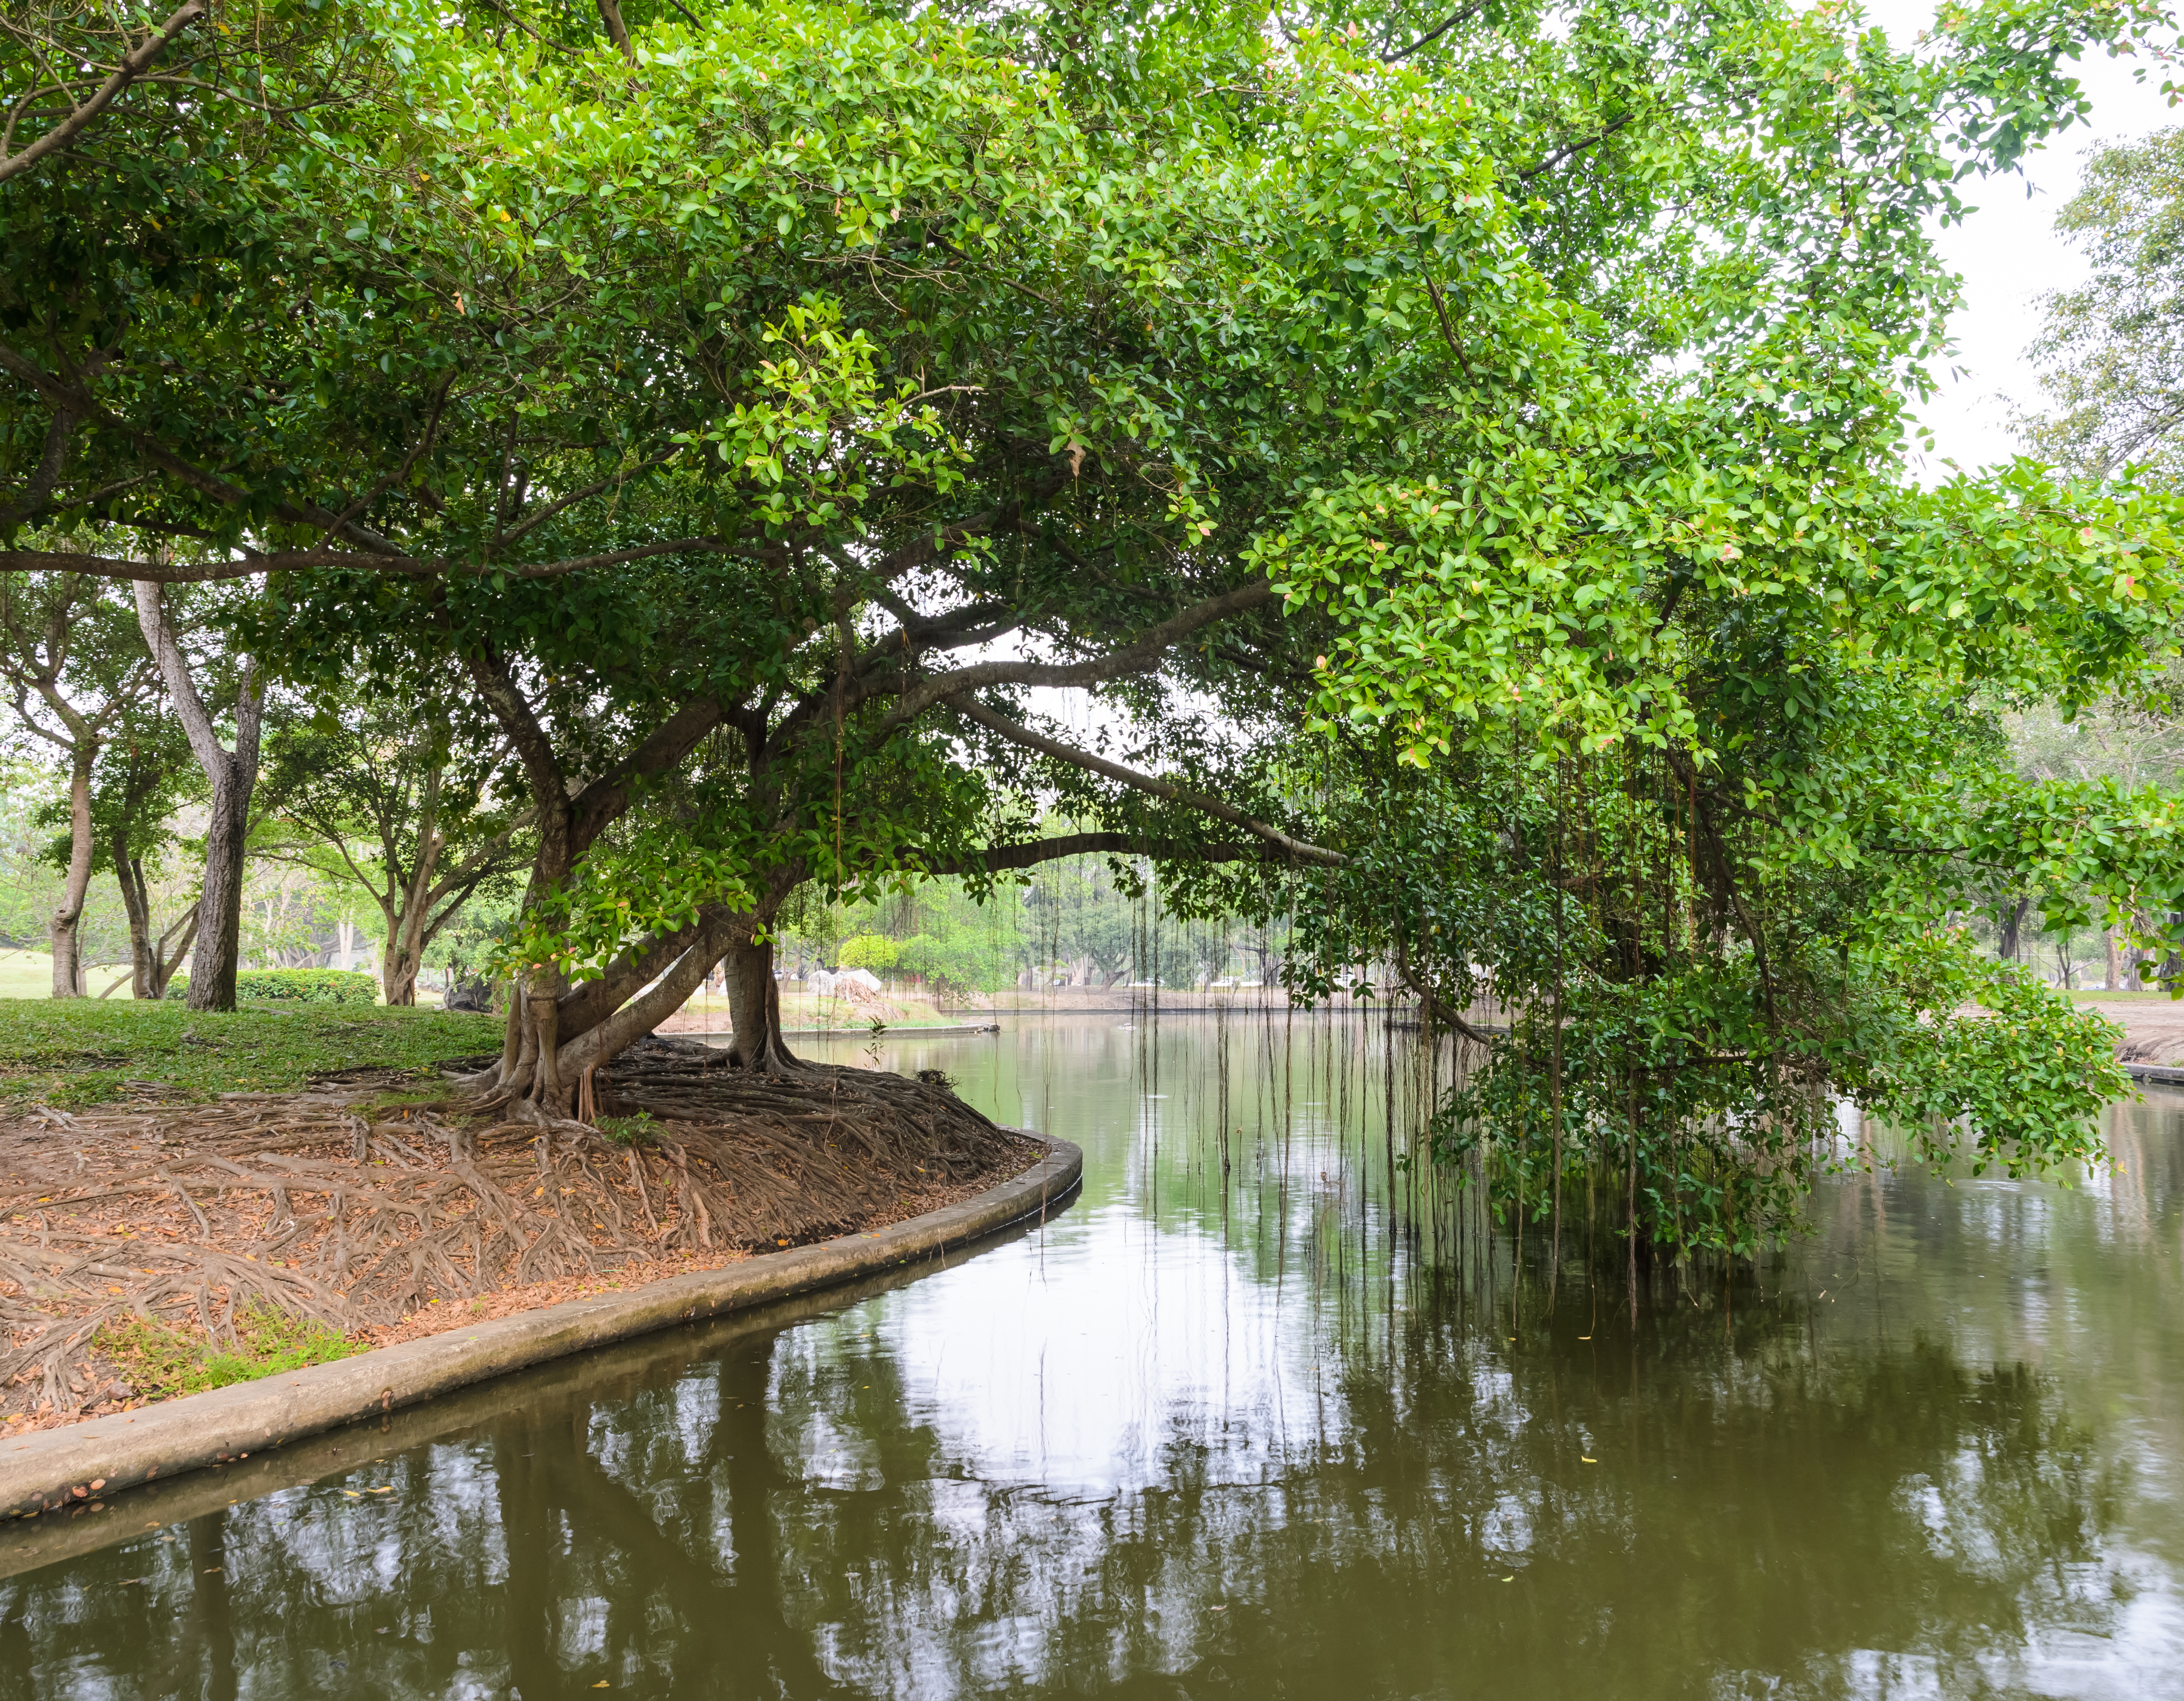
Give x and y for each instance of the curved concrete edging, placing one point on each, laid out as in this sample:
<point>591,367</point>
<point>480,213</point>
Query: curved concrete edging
<point>62,1467</point>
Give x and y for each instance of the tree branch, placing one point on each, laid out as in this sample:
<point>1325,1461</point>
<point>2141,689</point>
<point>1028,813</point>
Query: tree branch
<point>1433,35</point>
<point>296,560</point>
<point>1435,1009</point>
<point>1017,733</point>
<point>131,68</point>
<point>1144,653</point>
<point>1000,858</point>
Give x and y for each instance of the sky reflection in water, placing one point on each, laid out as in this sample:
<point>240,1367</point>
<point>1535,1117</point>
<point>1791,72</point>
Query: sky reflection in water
<point>1199,1437</point>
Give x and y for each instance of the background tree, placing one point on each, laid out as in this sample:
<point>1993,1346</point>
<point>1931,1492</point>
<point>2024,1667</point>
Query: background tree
<point>70,653</point>
<point>379,791</point>
<point>2112,350</point>
<point>144,778</point>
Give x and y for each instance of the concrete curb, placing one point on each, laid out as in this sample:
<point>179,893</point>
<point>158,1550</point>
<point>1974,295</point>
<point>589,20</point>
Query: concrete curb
<point>64,1467</point>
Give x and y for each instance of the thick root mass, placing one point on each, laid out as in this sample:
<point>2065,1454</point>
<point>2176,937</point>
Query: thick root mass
<point>312,1204</point>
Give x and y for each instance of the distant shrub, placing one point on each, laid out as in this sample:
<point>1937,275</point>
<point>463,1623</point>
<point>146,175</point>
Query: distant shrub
<point>868,951</point>
<point>295,986</point>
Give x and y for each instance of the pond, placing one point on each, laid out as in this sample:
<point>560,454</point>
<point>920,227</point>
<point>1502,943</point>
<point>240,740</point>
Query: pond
<point>1241,1420</point>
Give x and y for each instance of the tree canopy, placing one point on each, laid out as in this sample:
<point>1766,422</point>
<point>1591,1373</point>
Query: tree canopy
<point>1462,453</point>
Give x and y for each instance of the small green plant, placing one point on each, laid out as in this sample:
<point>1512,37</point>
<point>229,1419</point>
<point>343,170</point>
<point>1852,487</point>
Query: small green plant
<point>163,1362</point>
<point>627,1130</point>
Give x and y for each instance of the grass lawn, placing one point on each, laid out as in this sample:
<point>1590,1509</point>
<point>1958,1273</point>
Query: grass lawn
<point>74,1052</point>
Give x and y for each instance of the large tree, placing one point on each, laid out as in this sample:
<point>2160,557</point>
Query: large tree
<point>753,405</point>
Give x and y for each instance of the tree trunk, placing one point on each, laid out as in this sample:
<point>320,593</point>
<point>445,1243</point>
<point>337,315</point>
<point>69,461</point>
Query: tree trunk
<point>754,1013</point>
<point>550,1041</point>
<point>398,964</point>
<point>405,932</point>
<point>218,956</point>
<point>2013,923</point>
<point>151,963</point>
<point>136,901</point>
<point>2115,982</point>
<point>233,773</point>
<point>67,925</point>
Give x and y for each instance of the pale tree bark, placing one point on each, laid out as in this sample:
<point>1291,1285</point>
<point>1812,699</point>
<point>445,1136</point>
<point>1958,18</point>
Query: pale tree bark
<point>67,924</point>
<point>233,773</point>
<point>153,961</point>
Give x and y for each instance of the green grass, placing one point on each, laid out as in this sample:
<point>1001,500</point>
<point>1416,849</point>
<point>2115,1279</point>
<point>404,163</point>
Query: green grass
<point>28,974</point>
<point>74,1052</point>
<point>163,1362</point>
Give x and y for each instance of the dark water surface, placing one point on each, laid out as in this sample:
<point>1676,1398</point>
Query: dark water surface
<point>1202,1437</point>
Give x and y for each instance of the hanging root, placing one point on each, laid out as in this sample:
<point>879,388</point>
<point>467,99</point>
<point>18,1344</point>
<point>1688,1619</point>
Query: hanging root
<point>313,1205</point>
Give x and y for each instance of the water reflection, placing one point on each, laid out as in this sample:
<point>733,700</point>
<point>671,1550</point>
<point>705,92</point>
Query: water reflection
<point>1249,1419</point>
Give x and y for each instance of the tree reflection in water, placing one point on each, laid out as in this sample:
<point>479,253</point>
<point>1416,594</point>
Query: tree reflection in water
<point>1851,1479</point>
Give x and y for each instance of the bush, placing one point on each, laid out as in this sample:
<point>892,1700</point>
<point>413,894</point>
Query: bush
<point>958,963</point>
<point>295,986</point>
<point>873,950</point>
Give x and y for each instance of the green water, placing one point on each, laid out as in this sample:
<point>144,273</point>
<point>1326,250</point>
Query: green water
<point>1248,1433</point>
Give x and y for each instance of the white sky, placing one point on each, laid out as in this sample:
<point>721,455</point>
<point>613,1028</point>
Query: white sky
<point>2010,255</point>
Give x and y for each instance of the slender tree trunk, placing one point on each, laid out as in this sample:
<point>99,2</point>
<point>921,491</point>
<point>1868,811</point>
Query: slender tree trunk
<point>2114,966</point>
<point>165,962</point>
<point>405,935</point>
<point>67,923</point>
<point>136,901</point>
<point>2013,925</point>
<point>153,962</point>
<point>233,774</point>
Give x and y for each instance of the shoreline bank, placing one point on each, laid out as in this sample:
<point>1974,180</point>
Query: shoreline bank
<point>93,1462</point>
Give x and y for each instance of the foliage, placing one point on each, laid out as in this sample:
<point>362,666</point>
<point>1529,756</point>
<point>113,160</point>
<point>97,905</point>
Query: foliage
<point>874,951</point>
<point>295,985</point>
<point>163,1362</point>
<point>628,1130</point>
<point>1698,962</point>
<point>79,1052</point>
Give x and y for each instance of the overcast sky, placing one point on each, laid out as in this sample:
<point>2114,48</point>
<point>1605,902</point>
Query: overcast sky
<point>2010,255</point>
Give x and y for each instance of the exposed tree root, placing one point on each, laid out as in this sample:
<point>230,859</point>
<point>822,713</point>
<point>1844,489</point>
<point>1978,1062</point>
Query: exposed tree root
<point>191,1216</point>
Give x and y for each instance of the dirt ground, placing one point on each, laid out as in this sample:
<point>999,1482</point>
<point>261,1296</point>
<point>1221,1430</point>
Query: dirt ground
<point>2153,1027</point>
<point>385,1221</point>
